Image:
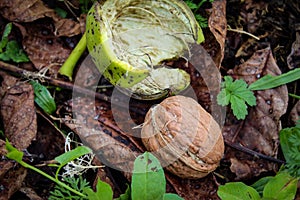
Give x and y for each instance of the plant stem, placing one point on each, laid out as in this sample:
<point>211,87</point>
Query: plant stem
<point>24,164</point>
<point>68,66</point>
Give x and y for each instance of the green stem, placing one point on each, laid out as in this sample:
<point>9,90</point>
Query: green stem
<point>24,164</point>
<point>68,66</point>
<point>294,96</point>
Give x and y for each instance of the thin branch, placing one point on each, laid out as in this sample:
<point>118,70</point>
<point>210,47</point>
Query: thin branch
<point>253,153</point>
<point>242,32</point>
<point>63,84</point>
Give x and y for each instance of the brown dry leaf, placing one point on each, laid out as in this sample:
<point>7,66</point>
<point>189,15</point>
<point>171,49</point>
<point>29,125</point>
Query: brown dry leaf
<point>5,164</point>
<point>251,14</point>
<point>259,131</point>
<point>7,82</point>
<point>202,189</point>
<point>295,113</point>
<point>18,114</point>
<point>31,10</point>
<point>293,60</point>
<point>12,182</point>
<point>218,26</point>
<point>96,128</point>
<point>43,47</point>
<point>30,193</point>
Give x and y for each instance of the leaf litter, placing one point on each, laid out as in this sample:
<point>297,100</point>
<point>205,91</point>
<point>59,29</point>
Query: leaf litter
<point>99,127</point>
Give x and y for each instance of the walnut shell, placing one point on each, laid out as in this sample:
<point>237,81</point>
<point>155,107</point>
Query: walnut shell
<point>186,138</point>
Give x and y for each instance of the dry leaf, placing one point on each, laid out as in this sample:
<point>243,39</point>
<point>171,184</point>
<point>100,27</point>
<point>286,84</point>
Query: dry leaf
<point>30,193</point>
<point>293,60</point>
<point>43,47</point>
<point>5,164</point>
<point>96,128</point>
<point>12,182</point>
<point>18,114</point>
<point>259,131</point>
<point>218,26</point>
<point>31,10</point>
<point>295,113</point>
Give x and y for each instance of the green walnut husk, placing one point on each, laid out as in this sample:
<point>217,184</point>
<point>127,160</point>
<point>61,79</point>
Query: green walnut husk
<point>130,40</point>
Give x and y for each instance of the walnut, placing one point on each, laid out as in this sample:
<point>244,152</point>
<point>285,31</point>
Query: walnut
<point>186,138</point>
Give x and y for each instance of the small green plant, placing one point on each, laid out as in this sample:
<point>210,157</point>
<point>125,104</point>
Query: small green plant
<point>290,145</point>
<point>283,186</point>
<point>43,98</point>
<point>238,94</point>
<point>9,49</point>
<point>280,187</point>
<point>17,155</point>
<point>195,8</point>
<point>148,179</point>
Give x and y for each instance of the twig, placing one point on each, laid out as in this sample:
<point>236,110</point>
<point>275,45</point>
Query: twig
<point>65,85</point>
<point>253,153</point>
<point>242,32</point>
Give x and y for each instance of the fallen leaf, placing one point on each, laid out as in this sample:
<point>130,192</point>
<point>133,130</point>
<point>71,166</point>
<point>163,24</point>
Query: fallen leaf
<point>5,164</point>
<point>43,47</point>
<point>96,128</point>
<point>30,193</point>
<point>259,131</point>
<point>25,11</point>
<point>295,113</point>
<point>7,82</point>
<point>251,14</point>
<point>12,182</point>
<point>18,114</point>
<point>31,10</point>
<point>293,59</point>
<point>204,188</point>
<point>218,26</point>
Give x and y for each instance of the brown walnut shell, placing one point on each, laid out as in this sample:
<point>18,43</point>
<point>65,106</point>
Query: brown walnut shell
<point>184,137</point>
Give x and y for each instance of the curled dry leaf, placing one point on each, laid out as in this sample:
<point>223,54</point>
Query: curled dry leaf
<point>259,131</point>
<point>18,114</point>
<point>293,60</point>
<point>43,47</point>
<point>218,26</point>
<point>31,10</point>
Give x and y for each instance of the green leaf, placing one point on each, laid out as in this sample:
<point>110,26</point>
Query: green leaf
<point>268,81</point>
<point>61,12</point>
<point>14,53</point>
<point>148,180</point>
<point>103,192</point>
<point>260,184</point>
<point>72,155</point>
<point>126,195</point>
<point>169,196</point>
<point>43,98</point>
<point>237,191</point>
<point>290,145</point>
<point>79,184</point>
<point>223,98</point>
<point>281,187</point>
<point>237,94</point>
<point>13,153</point>
<point>238,107</point>
<point>4,39</point>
